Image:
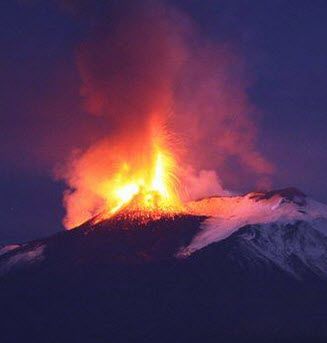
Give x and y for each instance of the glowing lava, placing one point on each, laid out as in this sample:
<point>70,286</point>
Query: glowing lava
<point>143,187</point>
<point>151,188</point>
<point>134,173</point>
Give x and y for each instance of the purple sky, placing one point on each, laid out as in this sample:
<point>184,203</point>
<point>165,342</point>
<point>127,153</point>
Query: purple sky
<point>282,43</point>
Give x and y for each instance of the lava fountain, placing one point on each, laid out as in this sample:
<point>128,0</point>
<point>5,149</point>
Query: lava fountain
<point>132,174</point>
<point>144,185</point>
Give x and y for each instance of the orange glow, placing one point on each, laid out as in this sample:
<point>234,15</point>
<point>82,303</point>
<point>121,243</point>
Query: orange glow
<point>146,188</point>
<point>130,174</point>
<point>142,181</point>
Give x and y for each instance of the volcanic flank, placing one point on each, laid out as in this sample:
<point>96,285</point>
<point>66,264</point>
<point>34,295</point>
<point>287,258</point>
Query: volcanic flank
<point>227,267</point>
<point>274,226</point>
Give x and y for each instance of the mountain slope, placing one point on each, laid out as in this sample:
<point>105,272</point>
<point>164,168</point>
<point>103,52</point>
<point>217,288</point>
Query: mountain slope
<point>285,227</point>
<point>232,269</point>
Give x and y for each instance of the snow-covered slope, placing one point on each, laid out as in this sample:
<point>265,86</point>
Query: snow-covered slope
<point>279,226</point>
<point>15,257</point>
<point>228,214</point>
<point>8,248</point>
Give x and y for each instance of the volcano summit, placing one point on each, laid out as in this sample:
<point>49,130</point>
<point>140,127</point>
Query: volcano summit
<point>236,268</point>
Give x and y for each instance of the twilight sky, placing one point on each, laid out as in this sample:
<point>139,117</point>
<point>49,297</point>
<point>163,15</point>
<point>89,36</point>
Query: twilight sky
<point>282,44</point>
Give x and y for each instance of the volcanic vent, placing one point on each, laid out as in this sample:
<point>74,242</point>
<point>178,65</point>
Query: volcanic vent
<point>144,186</point>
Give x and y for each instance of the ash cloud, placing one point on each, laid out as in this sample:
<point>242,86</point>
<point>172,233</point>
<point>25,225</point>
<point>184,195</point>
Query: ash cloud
<point>145,61</point>
<point>130,64</point>
<point>214,115</point>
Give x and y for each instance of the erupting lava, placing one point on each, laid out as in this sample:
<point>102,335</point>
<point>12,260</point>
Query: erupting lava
<point>145,184</point>
<point>149,188</point>
<point>134,173</point>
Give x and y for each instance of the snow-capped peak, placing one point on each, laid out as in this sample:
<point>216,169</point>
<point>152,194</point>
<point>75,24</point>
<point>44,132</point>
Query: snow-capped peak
<point>229,213</point>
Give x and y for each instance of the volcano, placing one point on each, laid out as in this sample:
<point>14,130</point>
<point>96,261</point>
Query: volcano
<point>231,269</point>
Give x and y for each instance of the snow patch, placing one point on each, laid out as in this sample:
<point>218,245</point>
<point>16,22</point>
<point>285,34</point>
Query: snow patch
<point>8,248</point>
<point>282,245</point>
<point>228,214</point>
<point>22,258</point>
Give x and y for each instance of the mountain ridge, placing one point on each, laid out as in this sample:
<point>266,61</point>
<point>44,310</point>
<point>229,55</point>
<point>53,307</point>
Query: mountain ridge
<point>132,282</point>
<point>207,221</point>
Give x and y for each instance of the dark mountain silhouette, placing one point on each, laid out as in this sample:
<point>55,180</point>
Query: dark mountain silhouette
<point>174,279</point>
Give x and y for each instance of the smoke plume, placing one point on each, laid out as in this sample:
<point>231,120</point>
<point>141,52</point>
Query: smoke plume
<point>147,64</point>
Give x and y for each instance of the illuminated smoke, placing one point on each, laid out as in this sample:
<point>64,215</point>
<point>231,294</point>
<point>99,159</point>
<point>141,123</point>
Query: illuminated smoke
<point>148,65</point>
